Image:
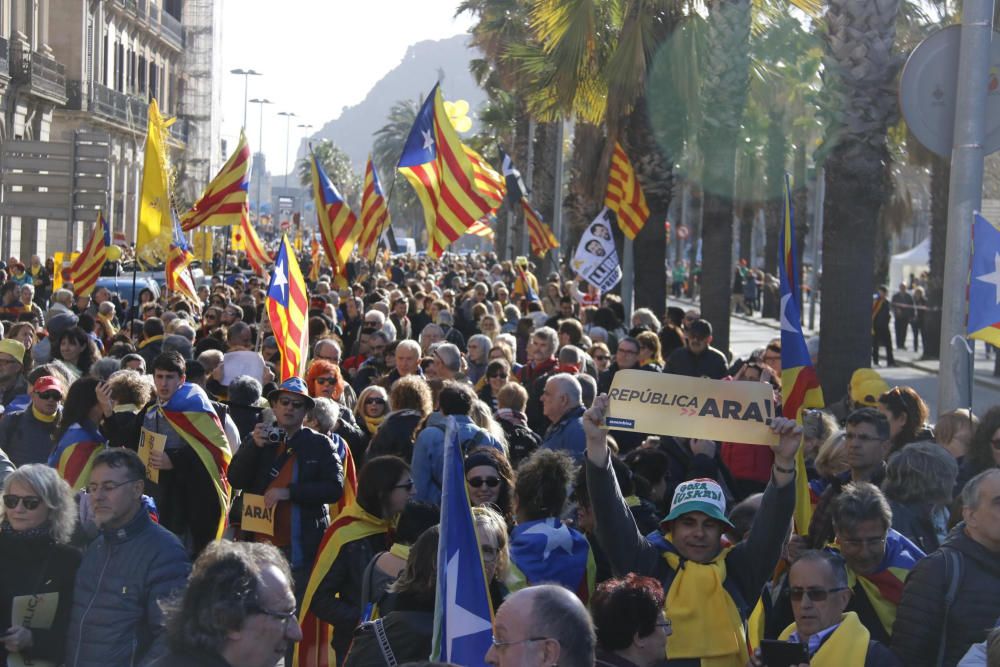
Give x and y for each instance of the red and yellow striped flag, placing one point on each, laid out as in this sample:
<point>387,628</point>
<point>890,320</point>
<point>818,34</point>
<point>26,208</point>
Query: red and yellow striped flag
<point>178,277</point>
<point>224,201</point>
<point>374,214</point>
<point>287,309</point>
<point>624,195</point>
<point>86,268</point>
<point>480,228</point>
<point>258,257</point>
<point>338,226</point>
<point>455,186</point>
<point>542,238</point>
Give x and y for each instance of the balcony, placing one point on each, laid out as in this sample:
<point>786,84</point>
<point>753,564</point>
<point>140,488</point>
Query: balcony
<point>44,76</point>
<point>4,59</point>
<point>125,111</point>
<point>171,30</point>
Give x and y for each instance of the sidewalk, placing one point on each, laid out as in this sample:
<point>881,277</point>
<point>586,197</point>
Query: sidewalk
<point>983,366</point>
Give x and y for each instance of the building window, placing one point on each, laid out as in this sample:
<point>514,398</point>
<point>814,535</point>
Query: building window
<point>142,74</point>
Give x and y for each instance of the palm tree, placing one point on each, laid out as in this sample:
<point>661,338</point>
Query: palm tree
<point>860,67</point>
<point>337,166</point>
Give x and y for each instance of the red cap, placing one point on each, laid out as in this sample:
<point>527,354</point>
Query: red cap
<point>47,383</point>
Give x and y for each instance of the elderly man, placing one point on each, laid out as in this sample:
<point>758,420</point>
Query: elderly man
<point>562,404</point>
<point>297,471</point>
<point>328,349</point>
<point>820,594</point>
<point>710,590</point>
<point>132,566</point>
<point>407,362</point>
<point>249,587</point>
<point>952,597</point>
<point>374,366</point>
<point>12,380</point>
<point>541,362</point>
<point>542,625</point>
<point>699,358</point>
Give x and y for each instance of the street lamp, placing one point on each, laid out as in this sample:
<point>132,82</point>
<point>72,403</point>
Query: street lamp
<point>305,127</point>
<point>246,74</point>
<point>288,133</point>
<point>260,146</point>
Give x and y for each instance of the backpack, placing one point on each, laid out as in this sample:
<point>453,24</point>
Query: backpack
<point>521,442</point>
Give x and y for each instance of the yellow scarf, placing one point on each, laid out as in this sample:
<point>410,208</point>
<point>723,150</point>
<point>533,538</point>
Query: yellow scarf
<point>150,340</point>
<point>401,551</point>
<point>106,321</point>
<point>706,623</point>
<point>846,647</point>
<point>45,419</point>
<point>372,423</point>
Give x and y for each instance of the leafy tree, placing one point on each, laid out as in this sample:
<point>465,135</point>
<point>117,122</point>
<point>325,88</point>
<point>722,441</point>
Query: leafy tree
<point>337,166</point>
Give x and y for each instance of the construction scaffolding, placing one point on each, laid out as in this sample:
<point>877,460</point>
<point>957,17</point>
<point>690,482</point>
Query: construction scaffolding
<point>199,101</point>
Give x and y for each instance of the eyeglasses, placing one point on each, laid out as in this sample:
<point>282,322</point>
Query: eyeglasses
<point>602,357</point>
<point>627,351</point>
<point>497,644</point>
<point>868,543</point>
<point>30,502</point>
<point>287,402</point>
<point>476,482</point>
<point>497,376</point>
<point>108,487</point>
<point>326,380</point>
<point>861,437</point>
<point>50,396</point>
<point>405,485</point>
<point>284,616</point>
<point>814,594</point>
<point>374,400</point>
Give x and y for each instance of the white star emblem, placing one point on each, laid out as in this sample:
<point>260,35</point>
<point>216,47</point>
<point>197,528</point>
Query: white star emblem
<point>993,278</point>
<point>428,139</point>
<point>555,538</point>
<point>785,324</point>
<point>280,281</point>
<point>460,621</point>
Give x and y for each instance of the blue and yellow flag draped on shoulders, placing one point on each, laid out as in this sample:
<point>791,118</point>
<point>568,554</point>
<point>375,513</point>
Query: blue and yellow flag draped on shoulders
<point>463,615</point>
<point>74,455</point>
<point>984,282</point>
<point>799,384</point>
<point>192,416</point>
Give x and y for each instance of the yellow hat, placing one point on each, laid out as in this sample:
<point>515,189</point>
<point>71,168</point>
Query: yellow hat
<point>868,391</point>
<point>862,375</point>
<point>13,348</point>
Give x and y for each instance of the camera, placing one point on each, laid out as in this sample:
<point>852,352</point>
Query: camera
<point>274,435</point>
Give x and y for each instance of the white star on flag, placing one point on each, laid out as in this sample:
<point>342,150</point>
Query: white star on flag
<point>428,139</point>
<point>785,324</point>
<point>993,278</point>
<point>460,621</point>
<point>280,281</point>
<point>555,538</point>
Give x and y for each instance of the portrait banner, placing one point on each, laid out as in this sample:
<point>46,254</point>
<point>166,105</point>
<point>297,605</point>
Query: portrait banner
<point>687,407</point>
<point>596,259</point>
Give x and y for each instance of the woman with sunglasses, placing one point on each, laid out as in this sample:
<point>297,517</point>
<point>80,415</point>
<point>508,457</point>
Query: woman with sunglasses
<point>491,482</point>
<point>411,402</point>
<point>601,355</point>
<point>37,520</point>
<point>362,530</point>
<point>325,381</point>
<point>370,412</point>
<point>497,375</point>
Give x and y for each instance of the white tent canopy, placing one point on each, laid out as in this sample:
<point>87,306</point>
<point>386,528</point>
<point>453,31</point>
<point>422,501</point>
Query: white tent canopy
<point>914,261</point>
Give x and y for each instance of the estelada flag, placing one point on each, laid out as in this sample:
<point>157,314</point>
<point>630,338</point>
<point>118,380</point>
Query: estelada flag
<point>74,455</point>
<point>191,415</point>
<point>338,226</point>
<point>287,309</point>
<point>984,283</point>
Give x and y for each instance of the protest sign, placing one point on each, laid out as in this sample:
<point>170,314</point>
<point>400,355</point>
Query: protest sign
<point>596,259</point>
<point>686,407</point>
<point>257,518</point>
<point>32,611</point>
<point>150,442</point>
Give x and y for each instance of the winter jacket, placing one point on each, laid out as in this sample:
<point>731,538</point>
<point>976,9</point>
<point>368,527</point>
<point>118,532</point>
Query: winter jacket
<point>566,435</point>
<point>921,619</point>
<point>35,565</point>
<point>25,438</point>
<point>915,522</point>
<point>748,462</point>
<point>711,363</point>
<point>428,453</point>
<point>408,629</point>
<point>395,436</point>
<point>116,619</point>
<point>318,481</point>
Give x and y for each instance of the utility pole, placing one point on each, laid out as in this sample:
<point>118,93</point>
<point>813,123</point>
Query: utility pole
<point>260,147</point>
<point>288,137</point>
<point>246,74</point>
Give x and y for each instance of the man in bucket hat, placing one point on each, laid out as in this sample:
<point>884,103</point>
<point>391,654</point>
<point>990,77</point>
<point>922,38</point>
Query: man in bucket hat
<point>711,590</point>
<point>297,472</point>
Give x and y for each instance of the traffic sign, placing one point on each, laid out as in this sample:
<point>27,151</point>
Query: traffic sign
<point>682,232</point>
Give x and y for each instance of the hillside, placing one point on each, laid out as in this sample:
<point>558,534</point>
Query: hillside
<point>413,78</point>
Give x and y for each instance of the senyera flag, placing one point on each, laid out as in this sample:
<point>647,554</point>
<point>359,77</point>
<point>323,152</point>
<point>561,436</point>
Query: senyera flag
<point>287,308</point>
<point>86,268</point>
<point>374,213</point>
<point>540,234</point>
<point>800,387</point>
<point>257,256</point>
<point>178,275</point>
<point>624,195</point>
<point>224,201</point>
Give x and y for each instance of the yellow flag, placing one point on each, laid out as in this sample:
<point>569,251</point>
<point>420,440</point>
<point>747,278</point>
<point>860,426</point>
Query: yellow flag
<point>237,243</point>
<point>155,223</point>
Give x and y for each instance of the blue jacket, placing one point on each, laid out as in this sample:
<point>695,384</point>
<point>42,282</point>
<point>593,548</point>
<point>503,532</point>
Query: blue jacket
<point>428,453</point>
<point>116,619</point>
<point>567,435</point>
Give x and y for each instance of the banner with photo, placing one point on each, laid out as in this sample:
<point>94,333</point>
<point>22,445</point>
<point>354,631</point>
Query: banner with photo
<point>596,259</point>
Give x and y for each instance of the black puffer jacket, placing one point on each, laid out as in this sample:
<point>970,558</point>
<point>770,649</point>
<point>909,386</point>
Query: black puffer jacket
<point>395,436</point>
<point>920,618</point>
<point>117,620</point>
<point>319,481</point>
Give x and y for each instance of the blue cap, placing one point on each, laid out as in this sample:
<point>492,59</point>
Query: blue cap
<point>293,385</point>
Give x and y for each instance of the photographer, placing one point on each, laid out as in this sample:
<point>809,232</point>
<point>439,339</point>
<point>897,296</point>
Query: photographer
<point>297,471</point>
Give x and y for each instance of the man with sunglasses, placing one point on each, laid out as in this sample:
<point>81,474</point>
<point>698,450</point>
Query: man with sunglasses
<point>832,635</point>
<point>26,435</point>
<point>297,471</point>
<point>132,566</point>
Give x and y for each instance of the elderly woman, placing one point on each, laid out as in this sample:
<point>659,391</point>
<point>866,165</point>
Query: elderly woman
<point>27,296</point>
<point>489,326</point>
<point>919,480</point>
<point>410,402</point>
<point>628,619</point>
<point>39,565</point>
<point>324,379</point>
<point>477,357</point>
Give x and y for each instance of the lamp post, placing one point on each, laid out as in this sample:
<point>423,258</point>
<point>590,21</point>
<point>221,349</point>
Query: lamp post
<point>288,134</point>
<point>246,74</point>
<point>260,146</point>
<point>305,127</point>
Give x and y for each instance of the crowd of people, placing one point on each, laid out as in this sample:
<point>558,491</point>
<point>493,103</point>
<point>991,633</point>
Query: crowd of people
<point>600,547</point>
